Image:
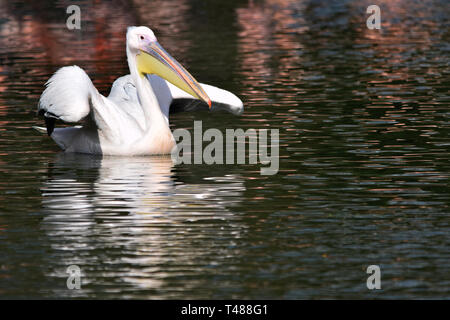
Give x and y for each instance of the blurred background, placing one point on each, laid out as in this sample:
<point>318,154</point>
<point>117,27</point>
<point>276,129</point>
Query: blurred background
<point>364,155</point>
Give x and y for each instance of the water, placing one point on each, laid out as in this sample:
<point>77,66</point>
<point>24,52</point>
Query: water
<point>364,155</point>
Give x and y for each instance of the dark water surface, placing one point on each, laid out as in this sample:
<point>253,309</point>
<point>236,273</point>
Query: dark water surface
<point>364,123</point>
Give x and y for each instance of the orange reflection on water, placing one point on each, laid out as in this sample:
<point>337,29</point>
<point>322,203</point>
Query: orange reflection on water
<point>98,47</point>
<point>268,44</point>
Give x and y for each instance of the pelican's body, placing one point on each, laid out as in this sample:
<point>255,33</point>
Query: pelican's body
<point>134,118</point>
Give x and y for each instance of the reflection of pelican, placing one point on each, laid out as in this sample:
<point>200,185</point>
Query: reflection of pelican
<point>133,119</point>
<point>81,183</point>
<point>136,217</point>
<point>121,183</point>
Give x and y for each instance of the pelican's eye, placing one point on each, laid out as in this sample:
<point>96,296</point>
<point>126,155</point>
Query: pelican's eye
<point>142,37</point>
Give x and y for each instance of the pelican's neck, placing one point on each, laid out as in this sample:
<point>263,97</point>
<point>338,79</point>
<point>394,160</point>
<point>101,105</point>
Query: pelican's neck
<point>154,118</point>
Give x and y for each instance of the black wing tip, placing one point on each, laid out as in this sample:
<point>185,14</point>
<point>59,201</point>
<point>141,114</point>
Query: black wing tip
<point>187,104</point>
<point>49,119</point>
<point>50,124</point>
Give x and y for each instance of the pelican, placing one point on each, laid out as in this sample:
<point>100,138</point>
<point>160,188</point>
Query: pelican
<point>134,118</point>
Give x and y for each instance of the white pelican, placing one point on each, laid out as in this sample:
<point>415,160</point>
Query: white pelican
<point>133,119</point>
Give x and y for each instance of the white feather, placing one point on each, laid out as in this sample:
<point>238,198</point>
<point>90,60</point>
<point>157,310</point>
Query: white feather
<point>68,94</point>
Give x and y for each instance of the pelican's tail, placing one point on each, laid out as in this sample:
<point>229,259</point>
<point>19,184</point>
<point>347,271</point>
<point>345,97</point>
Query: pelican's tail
<point>67,97</point>
<point>64,137</point>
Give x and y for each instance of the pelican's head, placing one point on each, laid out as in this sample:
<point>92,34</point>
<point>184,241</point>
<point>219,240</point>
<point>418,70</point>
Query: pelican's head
<point>151,58</point>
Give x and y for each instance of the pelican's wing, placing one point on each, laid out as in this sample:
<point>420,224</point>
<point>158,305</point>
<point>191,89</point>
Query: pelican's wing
<point>124,94</point>
<point>70,96</point>
<point>221,100</point>
<point>175,99</point>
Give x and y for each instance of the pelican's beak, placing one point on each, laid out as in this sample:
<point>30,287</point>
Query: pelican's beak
<point>153,59</point>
